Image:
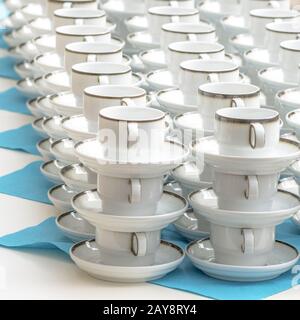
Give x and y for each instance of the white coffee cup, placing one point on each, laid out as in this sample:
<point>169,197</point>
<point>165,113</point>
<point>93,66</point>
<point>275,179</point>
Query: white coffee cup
<point>259,18</point>
<point>180,31</point>
<point>289,59</point>
<point>218,95</point>
<point>276,32</point>
<point>99,97</point>
<point>172,3</point>
<point>248,5</point>
<point>193,73</point>
<point>188,50</point>
<point>131,131</point>
<point>77,52</point>
<point>246,131</point>
<point>64,17</point>
<point>127,248</point>
<point>130,197</point>
<point>74,33</point>
<point>245,193</point>
<point>88,74</point>
<point>158,16</point>
<point>242,246</point>
<point>52,5</point>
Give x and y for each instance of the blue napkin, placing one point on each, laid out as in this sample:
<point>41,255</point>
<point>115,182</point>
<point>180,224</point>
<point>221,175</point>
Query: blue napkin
<point>27,183</point>
<point>3,44</point>
<point>14,101</point>
<point>186,277</point>
<point>23,139</point>
<point>7,68</point>
<point>4,12</point>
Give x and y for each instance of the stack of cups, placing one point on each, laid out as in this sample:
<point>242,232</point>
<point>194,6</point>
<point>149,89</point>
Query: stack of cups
<point>131,156</point>
<point>247,156</point>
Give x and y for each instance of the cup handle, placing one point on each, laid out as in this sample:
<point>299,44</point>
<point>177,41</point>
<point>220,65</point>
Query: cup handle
<point>248,241</point>
<point>88,39</point>
<point>173,3</point>
<point>213,77</point>
<point>133,131</point>
<point>91,58</point>
<point>237,103</point>
<point>127,102</point>
<point>67,5</point>
<point>273,4</point>
<point>102,80</point>
<point>175,19</point>
<point>252,191</point>
<point>78,22</point>
<point>191,37</point>
<point>204,56</point>
<point>257,135</point>
<point>139,244</point>
<point>298,36</point>
<point>136,191</point>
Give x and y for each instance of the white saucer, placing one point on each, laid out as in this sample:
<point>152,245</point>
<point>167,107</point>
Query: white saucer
<point>288,100</point>
<point>31,105</point>
<point>282,259</point>
<point>136,23</point>
<point>295,169</point>
<point>149,164</point>
<point>170,207</point>
<point>27,88</point>
<point>61,197</point>
<point>59,81</point>
<point>47,42</point>
<point>117,9</point>
<point>290,184</point>
<point>65,103</point>
<point>48,62</point>
<point>172,100</point>
<point>21,35</point>
<point>28,50</point>
<point>32,11</point>
<point>212,10</point>
<point>15,54</point>
<point>41,87</point>
<point>26,69</point>
<point>87,257</point>
<point>78,177</point>
<point>142,40</point>
<point>44,106</point>
<point>272,81</point>
<point>162,79</point>
<point>50,170</point>
<point>43,147</point>
<point>53,127</point>
<point>234,25</point>
<point>283,155</point>
<point>153,59</point>
<point>37,126</point>
<point>293,121</point>
<point>63,150</point>
<point>205,204</point>
<point>74,227</point>
<point>242,42</point>
<point>189,227</point>
<point>259,58</point>
<point>189,177</point>
<point>40,26</point>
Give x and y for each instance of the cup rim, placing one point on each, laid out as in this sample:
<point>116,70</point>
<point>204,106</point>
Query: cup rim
<point>96,13</point>
<point>92,32</point>
<point>283,45</point>
<point>159,117</point>
<point>216,50</point>
<point>290,13</point>
<point>184,11</point>
<point>234,66</point>
<point>87,92</point>
<point>164,27</point>
<point>116,50</point>
<point>270,27</point>
<point>73,1</point>
<point>128,69</point>
<point>267,119</point>
<point>203,92</point>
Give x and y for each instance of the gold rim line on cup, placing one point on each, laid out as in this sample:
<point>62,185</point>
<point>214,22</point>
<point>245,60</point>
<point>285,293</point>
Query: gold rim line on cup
<point>136,121</point>
<point>101,13</point>
<point>225,95</point>
<point>102,73</point>
<point>190,32</point>
<point>72,1</point>
<point>281,31</point>
<point>82,35</point>
<point>210,71</point>
<point>91,52</point>
<point>110,97</point>
<point>191,52</point>
<point>182,14</point>
<point>233,120</point>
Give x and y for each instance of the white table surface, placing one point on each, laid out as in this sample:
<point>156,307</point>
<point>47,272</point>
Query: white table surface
<point>48,274</point>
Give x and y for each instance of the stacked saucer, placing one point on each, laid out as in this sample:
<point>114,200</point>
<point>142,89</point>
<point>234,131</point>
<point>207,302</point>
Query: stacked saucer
<point>129,207</point>
<point>244,205</point>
